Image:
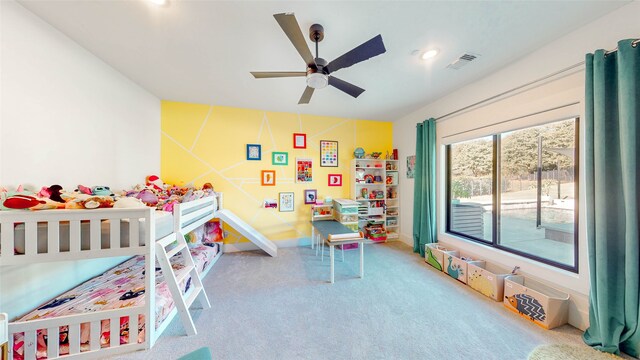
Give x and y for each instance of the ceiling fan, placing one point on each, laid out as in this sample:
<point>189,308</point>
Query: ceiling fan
<point>319,71</point>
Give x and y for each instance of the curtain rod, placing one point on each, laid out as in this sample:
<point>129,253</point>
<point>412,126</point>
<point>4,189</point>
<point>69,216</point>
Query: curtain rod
<point>634,44</point>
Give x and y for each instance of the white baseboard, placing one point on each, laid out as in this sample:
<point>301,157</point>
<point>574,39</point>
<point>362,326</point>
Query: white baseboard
<point>407,239</point>
<point>249,246</point>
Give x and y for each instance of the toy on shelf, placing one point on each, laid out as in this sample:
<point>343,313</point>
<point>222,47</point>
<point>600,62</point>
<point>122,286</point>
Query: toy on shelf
<point>369,179</point>
<point>375,232</point>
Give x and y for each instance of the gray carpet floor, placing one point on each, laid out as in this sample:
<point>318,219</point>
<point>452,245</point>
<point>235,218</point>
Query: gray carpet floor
<point>284,308</point>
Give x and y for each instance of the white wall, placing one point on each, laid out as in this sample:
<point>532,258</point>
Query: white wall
<point>66,118</point>
<point>558,91</point>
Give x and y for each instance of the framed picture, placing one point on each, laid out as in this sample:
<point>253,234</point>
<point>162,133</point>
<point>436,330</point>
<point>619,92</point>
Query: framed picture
<point>299,141</point>
<point>411,166</point>
<point>310,196</point>
<point>279,158</point>
<point>286,201</point>
<point>328,153</point>
<point>254,152</point>
<point>304,170</point>
<point>335,179</point>
<point>268,177</point>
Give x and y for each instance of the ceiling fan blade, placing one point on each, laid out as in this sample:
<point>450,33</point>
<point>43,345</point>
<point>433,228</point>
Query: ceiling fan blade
<point>365,51</point>
<point>306,96</point>
<point>277,74</point>
<point>345,86</point>
<point>290,26</point>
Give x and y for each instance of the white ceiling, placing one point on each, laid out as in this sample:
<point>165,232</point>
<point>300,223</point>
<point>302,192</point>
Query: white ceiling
<point>202,51</point>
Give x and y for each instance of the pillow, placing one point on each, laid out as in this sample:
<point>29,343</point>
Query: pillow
<point>213,231</point>
<point>194,238</point>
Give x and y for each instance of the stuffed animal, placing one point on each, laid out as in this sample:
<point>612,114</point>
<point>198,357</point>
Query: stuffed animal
<point>84,190</point>
<point>148,197</point>
<point>18,202</point>
<point>128,203</point>
<point>154,182</point>
<point>96,202</point>
<point>101,191</point>
<point>169,205</point>
<point>53,192</point>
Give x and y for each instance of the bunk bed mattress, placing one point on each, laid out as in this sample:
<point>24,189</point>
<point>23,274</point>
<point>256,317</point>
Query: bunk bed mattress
<point>163,226</point>
<point>119,287</point>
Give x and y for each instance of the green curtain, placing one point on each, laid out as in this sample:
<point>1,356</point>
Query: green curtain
<point>612,180</point>
<point>424,187</point>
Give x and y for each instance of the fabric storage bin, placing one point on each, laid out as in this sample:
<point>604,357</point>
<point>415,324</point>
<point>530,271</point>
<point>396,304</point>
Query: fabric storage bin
<point>456,267</point>
<point>434,255</point>
<point>487,279</point>
<point>539,303</point>
<point>348,246</point>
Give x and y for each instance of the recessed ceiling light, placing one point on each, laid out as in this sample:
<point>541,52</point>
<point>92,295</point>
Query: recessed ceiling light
<point>429,54</point>
<point>160,2</point>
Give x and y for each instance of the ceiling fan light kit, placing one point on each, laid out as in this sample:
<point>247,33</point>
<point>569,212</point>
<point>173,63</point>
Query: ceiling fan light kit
<point>317,80</point>
<point>318,70</point>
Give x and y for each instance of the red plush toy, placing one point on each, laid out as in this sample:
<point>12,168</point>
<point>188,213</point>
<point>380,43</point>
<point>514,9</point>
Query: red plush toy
<point>155,182</point>
<point>21,202</point>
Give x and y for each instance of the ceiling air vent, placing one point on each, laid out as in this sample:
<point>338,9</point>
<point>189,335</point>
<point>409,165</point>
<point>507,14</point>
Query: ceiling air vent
<point>463,60</point>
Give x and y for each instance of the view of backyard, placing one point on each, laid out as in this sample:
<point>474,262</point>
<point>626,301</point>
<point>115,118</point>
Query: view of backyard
<point>539,223</point>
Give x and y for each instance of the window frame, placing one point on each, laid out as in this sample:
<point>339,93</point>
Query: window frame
<point>496,198</point>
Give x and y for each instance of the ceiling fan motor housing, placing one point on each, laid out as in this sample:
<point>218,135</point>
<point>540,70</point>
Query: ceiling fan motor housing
<point>318,78</point>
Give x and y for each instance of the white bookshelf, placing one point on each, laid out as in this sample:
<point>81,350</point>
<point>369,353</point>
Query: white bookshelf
<point>374,184</point>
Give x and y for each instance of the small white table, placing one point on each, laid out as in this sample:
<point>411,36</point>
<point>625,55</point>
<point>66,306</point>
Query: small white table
<point>334,234</point>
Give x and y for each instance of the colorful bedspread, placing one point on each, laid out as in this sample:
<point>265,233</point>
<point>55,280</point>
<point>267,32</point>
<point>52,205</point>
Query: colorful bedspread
<point>121,287</point>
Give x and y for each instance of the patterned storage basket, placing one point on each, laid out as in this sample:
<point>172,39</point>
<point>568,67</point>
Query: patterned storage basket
<point>434,255</point>
<point>541,304</point>
<point>488,279</point>
<point>457,267</point>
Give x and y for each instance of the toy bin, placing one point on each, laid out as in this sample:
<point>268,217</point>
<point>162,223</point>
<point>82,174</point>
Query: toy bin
<point>541,304</point>
<point>457,267</point>
<point>346,206</point>
<point>434,255</point>
<point>488,279</point>
<point>346,218</point>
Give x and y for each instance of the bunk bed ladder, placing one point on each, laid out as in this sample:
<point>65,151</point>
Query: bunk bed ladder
<point>195,291</point>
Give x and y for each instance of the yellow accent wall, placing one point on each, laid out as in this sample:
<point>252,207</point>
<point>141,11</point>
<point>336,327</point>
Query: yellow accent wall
<point>207,143</point>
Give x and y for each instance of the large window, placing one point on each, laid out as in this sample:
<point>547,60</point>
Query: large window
<point>517,191</point>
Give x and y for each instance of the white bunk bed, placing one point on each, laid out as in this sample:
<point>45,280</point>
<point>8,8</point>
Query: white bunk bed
<point>28,237</point>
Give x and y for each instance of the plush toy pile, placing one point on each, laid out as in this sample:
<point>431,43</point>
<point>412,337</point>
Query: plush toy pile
<point>154,193</point>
